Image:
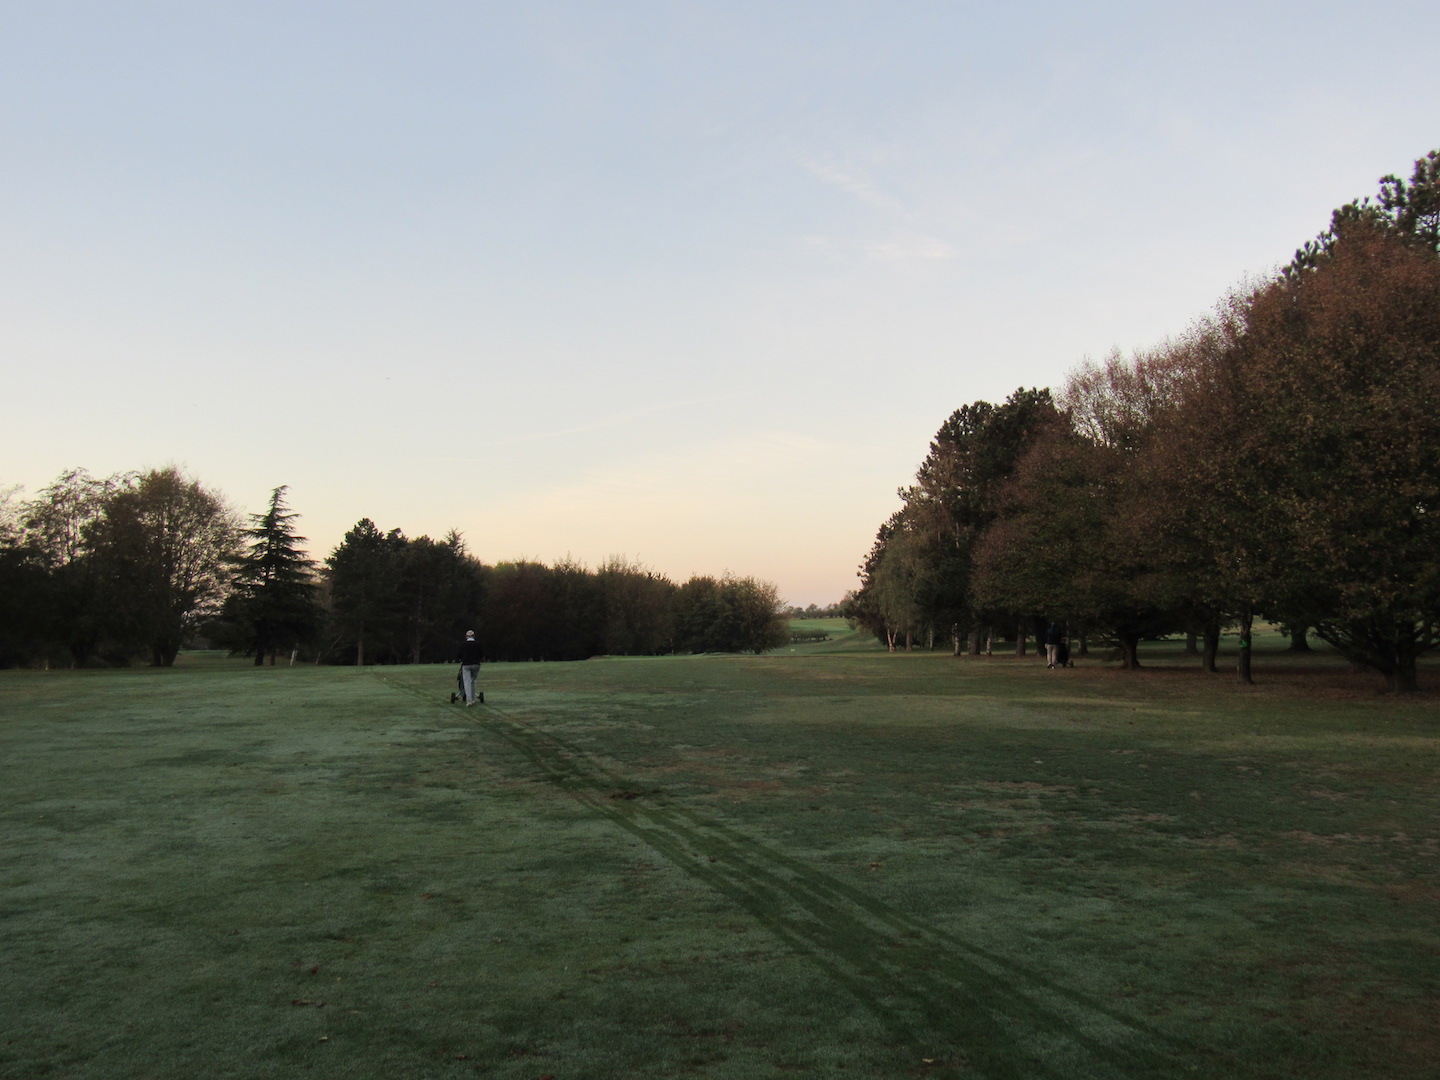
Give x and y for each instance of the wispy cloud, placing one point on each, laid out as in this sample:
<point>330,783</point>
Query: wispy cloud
<point>859,186</point>
<point>911,247</point>
<point>906,244</point>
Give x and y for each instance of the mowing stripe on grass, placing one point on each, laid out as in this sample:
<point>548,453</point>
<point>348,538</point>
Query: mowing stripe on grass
<point>950,1001</point>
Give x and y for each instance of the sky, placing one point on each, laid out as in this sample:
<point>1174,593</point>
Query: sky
<point>688,283</point>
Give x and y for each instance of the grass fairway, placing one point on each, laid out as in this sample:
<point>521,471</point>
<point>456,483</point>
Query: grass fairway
<point>825,864</point>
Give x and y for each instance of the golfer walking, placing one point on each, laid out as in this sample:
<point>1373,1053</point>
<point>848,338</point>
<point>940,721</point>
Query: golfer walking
<point>470,657</point>
<point>1053,637</point>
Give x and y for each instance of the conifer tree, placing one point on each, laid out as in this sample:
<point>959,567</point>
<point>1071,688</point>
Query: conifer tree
<point>274,599</point>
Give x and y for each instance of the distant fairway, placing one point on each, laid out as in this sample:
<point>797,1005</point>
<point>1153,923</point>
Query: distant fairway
<point>831,862</point>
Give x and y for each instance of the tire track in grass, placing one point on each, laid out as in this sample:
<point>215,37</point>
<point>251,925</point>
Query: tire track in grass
<point>950,1001</point>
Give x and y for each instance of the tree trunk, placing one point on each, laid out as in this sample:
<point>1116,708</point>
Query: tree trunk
<point>1212,648</point>
<point>975,642</point>
<point>1242,665</point>
<point>958,640</point>
<point>1020,638</point>
<point>1400,671</point>
<point>1299,642</point>
<point>1190,644</point>
<point>1403,680</point>
<point>164,652</point>
<point>1129,651</point>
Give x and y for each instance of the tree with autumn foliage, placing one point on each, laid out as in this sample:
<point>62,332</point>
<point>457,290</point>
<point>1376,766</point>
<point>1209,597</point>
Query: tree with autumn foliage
<point>917,577</point>
<point>1337,380</point>
<point>1300,460</point>
<point>1062,545</point>
<point>1280,460</point>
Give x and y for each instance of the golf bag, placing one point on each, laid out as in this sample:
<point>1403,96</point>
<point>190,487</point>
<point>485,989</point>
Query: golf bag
<point>459,694</point>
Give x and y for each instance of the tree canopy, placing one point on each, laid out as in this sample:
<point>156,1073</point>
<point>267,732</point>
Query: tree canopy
<point>1280,459</point>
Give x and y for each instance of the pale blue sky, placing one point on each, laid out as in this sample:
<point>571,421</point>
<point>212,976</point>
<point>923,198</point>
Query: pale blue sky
<point>690,282</point>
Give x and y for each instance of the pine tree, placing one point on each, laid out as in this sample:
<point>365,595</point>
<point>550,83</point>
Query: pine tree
<point>366,605</point>
<point>274,599</point>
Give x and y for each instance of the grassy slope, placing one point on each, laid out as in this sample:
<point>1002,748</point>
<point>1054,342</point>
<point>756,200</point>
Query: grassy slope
<point>837,863</point>
<point>842,637</point>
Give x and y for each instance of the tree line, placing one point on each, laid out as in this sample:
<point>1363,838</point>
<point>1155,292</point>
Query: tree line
<point>816,611</point>
<point>1279,460</point>
<point>136,566</point>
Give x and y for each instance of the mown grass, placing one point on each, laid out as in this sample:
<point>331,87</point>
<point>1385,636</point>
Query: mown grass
<point>842,637</point>
<point>840,863</point>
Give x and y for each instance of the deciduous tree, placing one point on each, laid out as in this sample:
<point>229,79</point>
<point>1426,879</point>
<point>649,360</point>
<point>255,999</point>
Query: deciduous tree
<point>59,526</point>
<point>1340,369</point>
<point>163,547</point>
<point>917,577</point>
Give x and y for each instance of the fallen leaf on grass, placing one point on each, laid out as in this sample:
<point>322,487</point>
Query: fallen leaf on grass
<point>307,1001</point>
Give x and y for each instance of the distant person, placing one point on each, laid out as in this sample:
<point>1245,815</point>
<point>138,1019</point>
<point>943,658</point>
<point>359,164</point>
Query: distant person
<point>470,657</point>
<point>1053,636</point>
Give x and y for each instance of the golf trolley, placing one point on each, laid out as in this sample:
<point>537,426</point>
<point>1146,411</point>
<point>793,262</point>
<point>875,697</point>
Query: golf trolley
<point>459,692</point>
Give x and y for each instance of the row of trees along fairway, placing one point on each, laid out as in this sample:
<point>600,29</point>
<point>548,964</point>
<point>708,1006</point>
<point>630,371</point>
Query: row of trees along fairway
<point>397,600</point>
<point>138,565</point>
<point>1279,460</point>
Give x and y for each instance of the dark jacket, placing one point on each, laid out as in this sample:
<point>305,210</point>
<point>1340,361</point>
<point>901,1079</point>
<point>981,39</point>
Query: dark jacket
<point>470,652</point>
